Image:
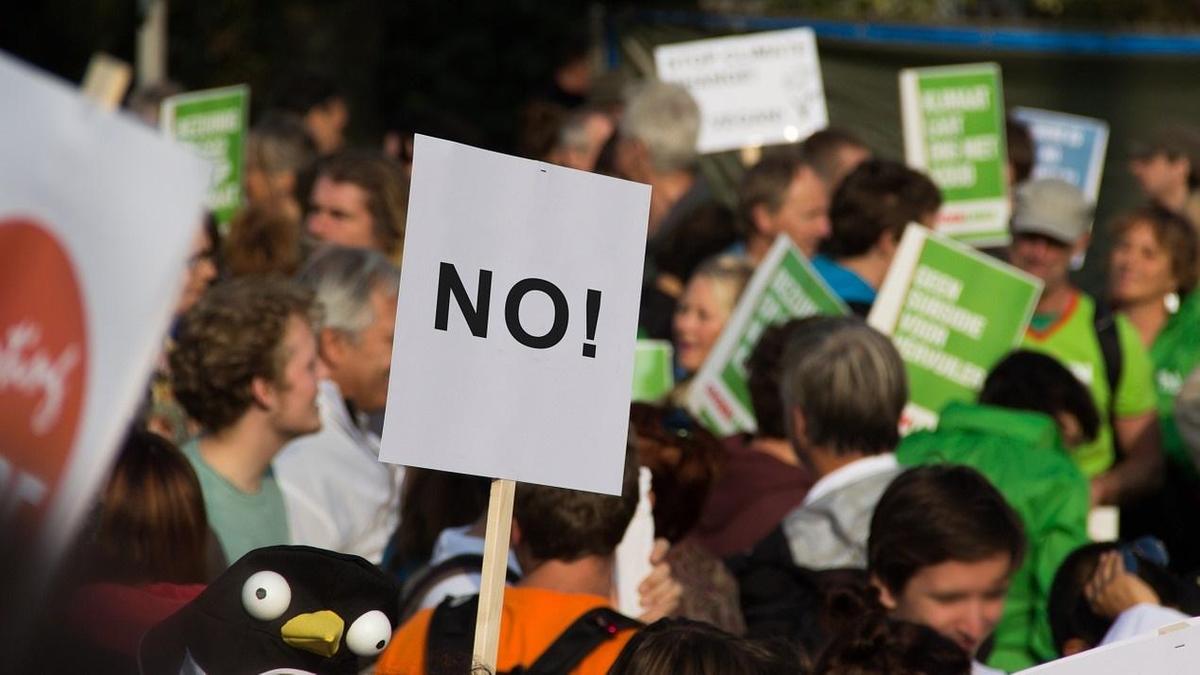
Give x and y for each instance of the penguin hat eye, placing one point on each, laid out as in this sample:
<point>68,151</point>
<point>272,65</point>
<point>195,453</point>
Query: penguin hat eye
<point>266,595</point>
<point>369,634</point>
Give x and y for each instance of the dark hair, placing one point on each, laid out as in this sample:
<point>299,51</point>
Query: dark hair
<point>765,184</point>
<point>150,522</point>
<point>262,240</point>
<point>302,90</point>
<point>686,647</point>
<point>1173,232</point>
<point>1069,612</point>
<point>938,513</point>
<point>387,193</point>
<point>764,368</point>
<point>1027,380</point>
<point>848,381</point>
<point>878,644</point>
<point>540,123</point>
<point>1021,152</point>
<point>822,150</point>
<point>431,502</point>
<point>704,233</point>
<point>560,524</point>
<point>231,336</point>
<point>879,197</point>
<point>684,460</point>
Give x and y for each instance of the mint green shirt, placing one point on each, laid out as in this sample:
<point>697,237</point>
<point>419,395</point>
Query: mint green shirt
<point>242,521</point>
<point>1022,455</point>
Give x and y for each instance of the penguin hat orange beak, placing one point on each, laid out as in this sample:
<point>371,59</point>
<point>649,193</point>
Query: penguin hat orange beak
<point>316,632</point>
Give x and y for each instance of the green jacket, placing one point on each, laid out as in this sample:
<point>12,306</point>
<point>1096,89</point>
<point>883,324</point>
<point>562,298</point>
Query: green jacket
<point>1175,354</point>
<point>1022,454</point>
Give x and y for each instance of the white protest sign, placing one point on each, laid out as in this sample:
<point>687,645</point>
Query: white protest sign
<point>97,214</point>
<point>753,89</point>
<point>516,320</point>
<point>1172,650</point>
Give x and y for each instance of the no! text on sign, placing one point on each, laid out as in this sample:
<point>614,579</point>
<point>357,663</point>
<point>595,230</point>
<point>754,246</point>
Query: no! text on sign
<point>516,320</point>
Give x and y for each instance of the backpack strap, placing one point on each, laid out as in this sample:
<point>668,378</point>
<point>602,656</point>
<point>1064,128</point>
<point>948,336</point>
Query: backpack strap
<point>452,636</point>
<point>419,584</point>
<point>1105,324</point>
<point>592,629</point>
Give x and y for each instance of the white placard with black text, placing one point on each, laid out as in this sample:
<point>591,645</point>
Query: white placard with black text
<point>516,320</point>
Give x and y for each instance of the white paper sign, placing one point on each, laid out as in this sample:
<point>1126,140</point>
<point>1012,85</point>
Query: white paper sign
<point>516,321</point>
<point>753,89</point>
<point>97,214</point>
<point>1172,650</point>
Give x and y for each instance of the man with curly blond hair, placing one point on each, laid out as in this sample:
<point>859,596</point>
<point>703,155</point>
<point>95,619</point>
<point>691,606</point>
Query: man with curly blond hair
<point>245,368</point>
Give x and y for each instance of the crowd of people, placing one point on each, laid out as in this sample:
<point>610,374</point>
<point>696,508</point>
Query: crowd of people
<point>824,542</point>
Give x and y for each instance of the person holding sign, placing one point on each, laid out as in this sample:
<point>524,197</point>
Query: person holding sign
<point>1050,225</point>
<point>783,195</point>
<point>564,540</point>
<point>943,548</point>
<point>868,214</point>
<point>245,367</point>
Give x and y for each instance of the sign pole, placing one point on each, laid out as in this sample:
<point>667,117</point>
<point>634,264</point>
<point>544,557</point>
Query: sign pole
<point>495,567</point>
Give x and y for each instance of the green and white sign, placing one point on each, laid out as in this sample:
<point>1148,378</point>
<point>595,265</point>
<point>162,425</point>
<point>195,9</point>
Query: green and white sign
<point>953,120</point>
<point>784,287</point>
<point>952,312</point>
<point>214,123</point>
<point>653,373</point>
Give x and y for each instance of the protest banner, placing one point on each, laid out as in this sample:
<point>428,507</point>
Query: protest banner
<point>538,389</point>
<point>752,90</point>
<point>1173,649</point>
<point>653,370</point>
<point>953,121</point>
<point>214,122</point>
<point>784,286</point>
<point>91,263</point>
<point>952,313</point>
<point>1067,147</point>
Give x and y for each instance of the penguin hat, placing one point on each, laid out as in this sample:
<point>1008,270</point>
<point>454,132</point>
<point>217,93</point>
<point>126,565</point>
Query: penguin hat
<point>280,609</point>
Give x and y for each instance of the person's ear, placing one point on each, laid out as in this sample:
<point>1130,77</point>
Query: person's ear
<point>1074,645</point>
<point>333,346</point>
<point>885,596</point>
<point>514,534</point>
<point>263,392</point>
<point>762,221</point>
<point>1081,245</point>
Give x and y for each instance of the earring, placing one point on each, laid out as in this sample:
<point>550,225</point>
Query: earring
<point>1171,302</point>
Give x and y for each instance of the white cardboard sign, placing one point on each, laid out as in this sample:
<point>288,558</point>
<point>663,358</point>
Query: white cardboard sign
<point>1172,650</point>
<point>517,319</point>
<point>753,89</point>
<point>97,213</point>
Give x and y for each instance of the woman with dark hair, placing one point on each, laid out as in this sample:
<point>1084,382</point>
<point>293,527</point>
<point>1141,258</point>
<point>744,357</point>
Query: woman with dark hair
<point>877,644</point>
<point>147,552</point>
<point>685,647</point>
<point>942,551</point>
<point>1152,271</point>
<point>684,460</point>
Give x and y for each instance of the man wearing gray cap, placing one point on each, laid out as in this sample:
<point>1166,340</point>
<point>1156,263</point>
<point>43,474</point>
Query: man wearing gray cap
<point>1050,225</point>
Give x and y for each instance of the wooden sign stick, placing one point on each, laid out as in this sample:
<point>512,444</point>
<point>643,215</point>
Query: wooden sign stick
<point>495,568</point>
<point>106,80</point>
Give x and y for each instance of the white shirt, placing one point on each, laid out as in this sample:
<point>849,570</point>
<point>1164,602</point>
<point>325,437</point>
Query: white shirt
<point>978,668</point>
<point>1140,619</point>
<point>454,541</point>
<point>850,473</point>
<point>338,495</point>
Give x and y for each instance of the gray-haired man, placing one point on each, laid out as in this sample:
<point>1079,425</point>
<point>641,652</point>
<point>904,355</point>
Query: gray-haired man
<point>338,494</point>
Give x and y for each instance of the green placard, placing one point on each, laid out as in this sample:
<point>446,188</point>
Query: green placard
<point>214,123</point>
<point>784,287</point>
<point>954,130</point>
<point>653,373</point>
<point>952,313</point>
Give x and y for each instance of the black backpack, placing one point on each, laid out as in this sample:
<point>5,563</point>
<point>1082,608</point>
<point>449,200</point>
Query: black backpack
<point>452,635</point>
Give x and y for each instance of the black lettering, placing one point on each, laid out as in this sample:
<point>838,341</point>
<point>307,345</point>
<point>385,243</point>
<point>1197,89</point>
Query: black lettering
<point>512,313</point>
<point>475,315</point>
